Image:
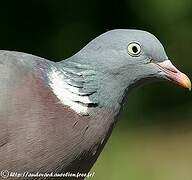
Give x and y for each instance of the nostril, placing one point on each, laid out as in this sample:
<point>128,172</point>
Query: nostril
<point>172,70</point>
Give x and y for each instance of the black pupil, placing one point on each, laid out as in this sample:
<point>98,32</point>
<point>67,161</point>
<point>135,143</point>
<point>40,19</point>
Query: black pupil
<point>134,48</point>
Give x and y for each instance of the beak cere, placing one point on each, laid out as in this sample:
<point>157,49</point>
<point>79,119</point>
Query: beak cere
<point>174,75</point>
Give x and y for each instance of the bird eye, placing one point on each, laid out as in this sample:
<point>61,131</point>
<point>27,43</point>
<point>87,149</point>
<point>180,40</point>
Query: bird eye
<point>134,49</point>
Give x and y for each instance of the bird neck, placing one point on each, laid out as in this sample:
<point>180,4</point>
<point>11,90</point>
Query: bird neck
<point>84,88</point>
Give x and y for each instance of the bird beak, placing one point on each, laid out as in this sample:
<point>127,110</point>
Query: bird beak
<point>174,75</point>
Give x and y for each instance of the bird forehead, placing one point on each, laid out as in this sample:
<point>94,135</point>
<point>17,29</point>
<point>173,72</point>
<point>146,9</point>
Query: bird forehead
<point>148,42</point>
<point>122,37</point>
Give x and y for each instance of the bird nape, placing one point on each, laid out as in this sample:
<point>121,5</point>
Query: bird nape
<point>57,117</point>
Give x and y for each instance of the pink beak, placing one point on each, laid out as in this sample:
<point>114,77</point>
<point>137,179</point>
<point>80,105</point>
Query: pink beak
<point>174,75</point>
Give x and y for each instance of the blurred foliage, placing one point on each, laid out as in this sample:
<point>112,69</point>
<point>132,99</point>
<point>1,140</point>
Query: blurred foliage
<point>146,154</point>
<point>57,29</point>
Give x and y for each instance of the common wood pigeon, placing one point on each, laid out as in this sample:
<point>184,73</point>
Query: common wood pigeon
<point>57,117</point>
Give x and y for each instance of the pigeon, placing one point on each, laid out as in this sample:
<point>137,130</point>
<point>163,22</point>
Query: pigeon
<point>56,117</point>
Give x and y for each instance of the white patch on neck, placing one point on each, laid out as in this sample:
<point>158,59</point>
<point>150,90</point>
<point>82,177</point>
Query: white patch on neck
<point>67,94</point>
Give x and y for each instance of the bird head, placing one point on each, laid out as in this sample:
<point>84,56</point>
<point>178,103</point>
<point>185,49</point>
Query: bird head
<point>132,56</point>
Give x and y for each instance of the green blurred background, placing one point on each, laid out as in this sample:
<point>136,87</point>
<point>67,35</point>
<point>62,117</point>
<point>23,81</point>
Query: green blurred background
<point>153,139</point>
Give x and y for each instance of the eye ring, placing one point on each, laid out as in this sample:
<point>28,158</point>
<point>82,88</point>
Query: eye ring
<point>134,49</point>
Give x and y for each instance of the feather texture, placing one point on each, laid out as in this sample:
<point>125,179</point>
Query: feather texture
<point>75,85</point>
